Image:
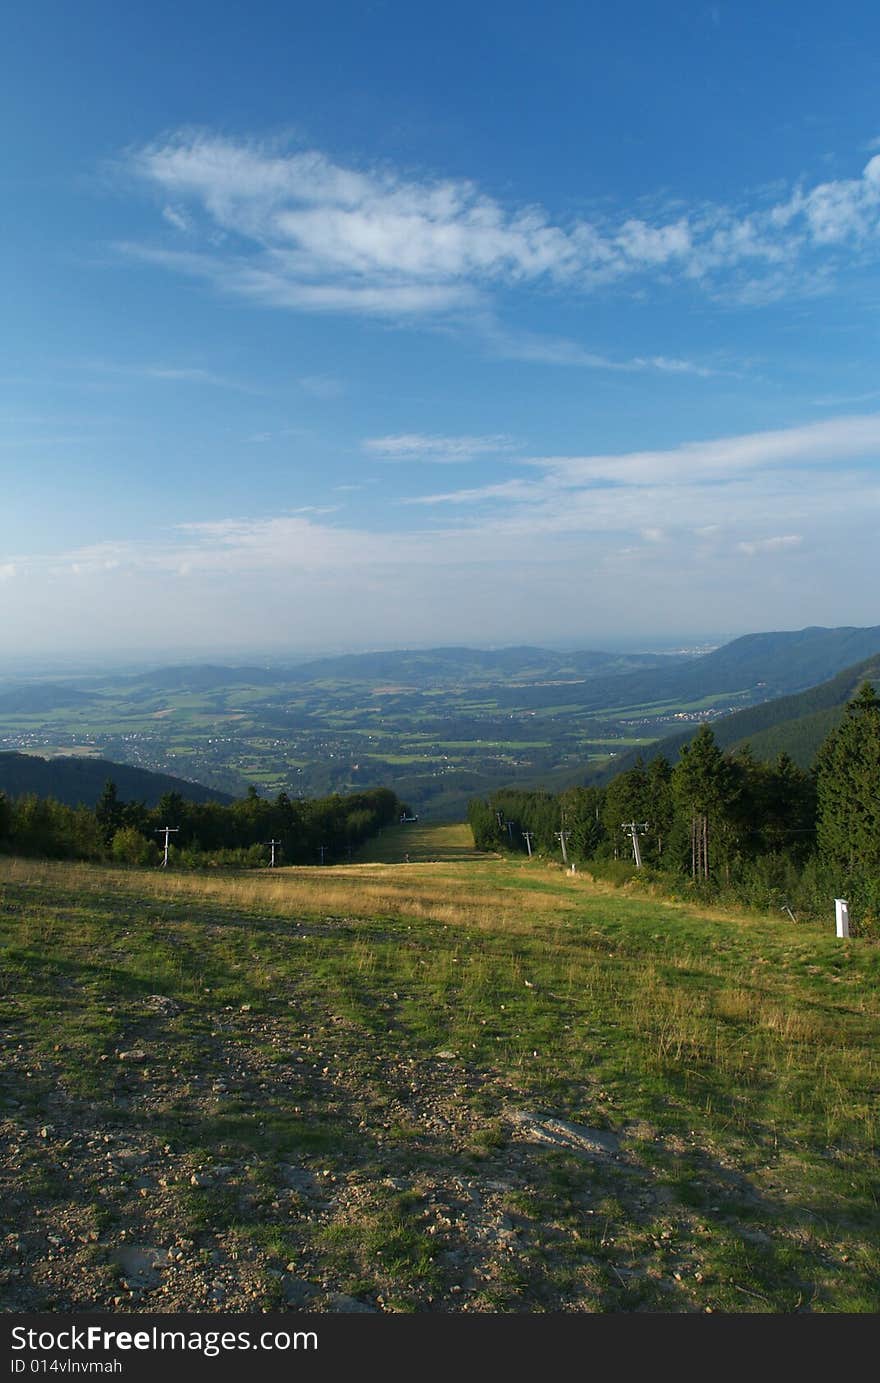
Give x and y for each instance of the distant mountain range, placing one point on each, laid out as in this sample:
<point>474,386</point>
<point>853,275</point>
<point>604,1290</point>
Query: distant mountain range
<point>78,781</point>
<point>416,668</point>
<point>445,666</point>
<point>759,666</point>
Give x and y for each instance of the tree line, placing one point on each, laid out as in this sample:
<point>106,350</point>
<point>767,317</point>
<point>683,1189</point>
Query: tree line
<point>324,830</point>
<point>767,834</point>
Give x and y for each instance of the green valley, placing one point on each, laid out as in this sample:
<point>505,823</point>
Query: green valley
<point>437,726</point>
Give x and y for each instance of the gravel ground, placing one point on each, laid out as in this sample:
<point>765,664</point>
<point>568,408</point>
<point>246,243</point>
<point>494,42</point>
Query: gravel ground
<point>407,1184</point>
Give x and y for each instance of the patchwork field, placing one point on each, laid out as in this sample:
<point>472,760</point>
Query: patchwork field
<point>466,1085</point>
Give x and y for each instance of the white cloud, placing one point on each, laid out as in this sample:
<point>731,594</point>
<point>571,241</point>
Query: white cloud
<point>844,438</point>
<point>778,544</point>
<point>707,497</point>
<point>672,366</point>
<point>7,571</point>
<point>419,446</point>
<point>296,230</point>
<point>692,467</point>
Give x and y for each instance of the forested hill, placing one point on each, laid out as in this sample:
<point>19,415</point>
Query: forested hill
<point>755,668</point>
<point>772,664</point>
<point>38,697</point>
<point>793,660</point>
<point>795,725</point>
<point>76,781</point>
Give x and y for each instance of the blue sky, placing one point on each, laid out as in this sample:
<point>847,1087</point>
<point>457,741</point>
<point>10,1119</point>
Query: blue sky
<point>385,324</point>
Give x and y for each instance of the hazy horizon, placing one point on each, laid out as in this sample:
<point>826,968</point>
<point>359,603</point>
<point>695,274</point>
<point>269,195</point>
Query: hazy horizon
<point>94,664</point>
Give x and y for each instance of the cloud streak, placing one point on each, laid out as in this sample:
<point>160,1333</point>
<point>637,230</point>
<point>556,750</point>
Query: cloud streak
<point>558,350</point>
<point>419,446</point>
<point>713,462</point>
<point>728,495</point>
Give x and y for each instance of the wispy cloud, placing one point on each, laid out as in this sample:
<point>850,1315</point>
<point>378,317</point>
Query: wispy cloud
<point>710,462</point>
<point>839,439</point>
<point>558,350</point>
<point>171,374</point>
<point>176,218</point>
<point>297,230</point>
<point>741,521</point>
<point>774,544</point>
<point>419,446</point>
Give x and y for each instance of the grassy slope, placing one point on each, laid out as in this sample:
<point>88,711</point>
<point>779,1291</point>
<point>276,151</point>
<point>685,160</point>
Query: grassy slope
<point>345,1084</point>
<point>418,842</point>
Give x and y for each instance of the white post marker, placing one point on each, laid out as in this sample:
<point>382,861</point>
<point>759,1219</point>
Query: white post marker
<point>841,915</point>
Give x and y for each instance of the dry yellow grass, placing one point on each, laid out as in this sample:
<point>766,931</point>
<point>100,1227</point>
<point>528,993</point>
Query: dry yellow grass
<point>481,891</point>
<point>438,892</point>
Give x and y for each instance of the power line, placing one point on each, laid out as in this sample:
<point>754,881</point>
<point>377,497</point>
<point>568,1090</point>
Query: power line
<point>562,837</point>
<point>634,829</point>
<point>167,831</point>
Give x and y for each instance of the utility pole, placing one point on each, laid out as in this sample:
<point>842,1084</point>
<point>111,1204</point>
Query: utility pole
<point>272,844</point>
<point>510,832</point>
<point>562,837</point>
<point>166,831</point>
<point>527,837</point>
<point>322,848</point>
<point>634,829</point>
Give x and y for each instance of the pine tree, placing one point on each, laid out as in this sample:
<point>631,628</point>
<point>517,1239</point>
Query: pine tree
<point>108,811</point>
<point>848,788</point>
<point>659,806</point>
<point>704,787</point>
<point>626,799</point>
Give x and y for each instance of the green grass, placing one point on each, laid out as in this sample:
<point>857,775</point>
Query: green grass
<point>418,842</point>
<point>377,1024</point>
